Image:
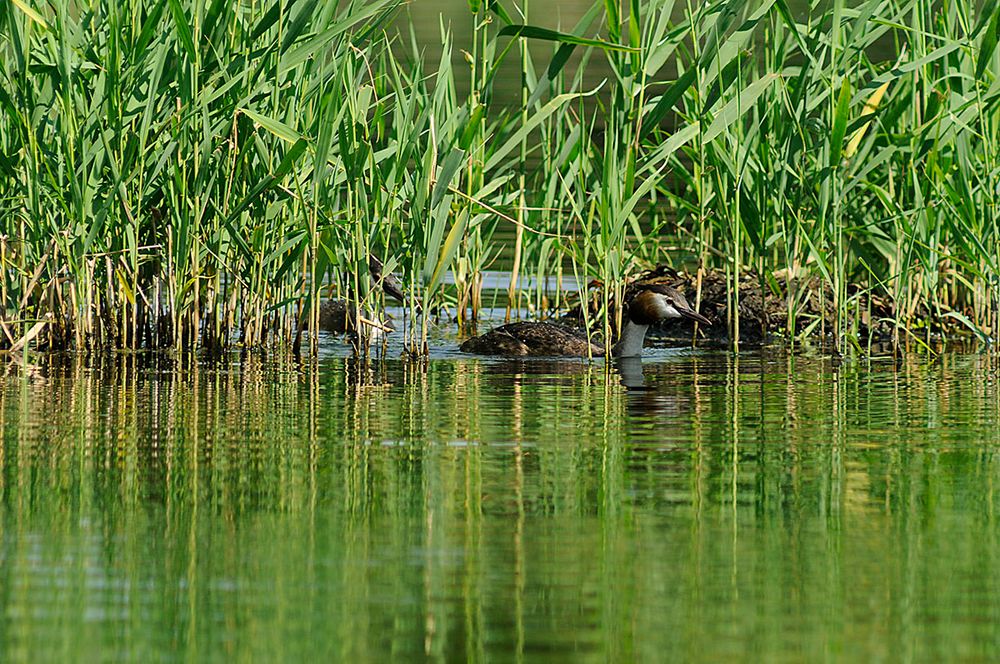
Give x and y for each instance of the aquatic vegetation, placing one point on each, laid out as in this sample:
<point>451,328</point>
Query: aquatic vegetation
<point>177,174</point>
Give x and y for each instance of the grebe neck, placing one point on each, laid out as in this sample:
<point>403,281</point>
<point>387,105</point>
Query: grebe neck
<point>629,344</point>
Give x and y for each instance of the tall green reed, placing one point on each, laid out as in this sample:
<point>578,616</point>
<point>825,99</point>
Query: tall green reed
<point>838,176</point>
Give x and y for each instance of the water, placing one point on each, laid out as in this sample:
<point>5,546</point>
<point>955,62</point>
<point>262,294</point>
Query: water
<point>770,506</point>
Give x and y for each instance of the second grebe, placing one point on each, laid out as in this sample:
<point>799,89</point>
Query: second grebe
<point>647,305</point>
<point>337,316</point>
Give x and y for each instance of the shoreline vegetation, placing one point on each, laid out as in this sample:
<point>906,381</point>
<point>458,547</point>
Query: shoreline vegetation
<point>199,175</point>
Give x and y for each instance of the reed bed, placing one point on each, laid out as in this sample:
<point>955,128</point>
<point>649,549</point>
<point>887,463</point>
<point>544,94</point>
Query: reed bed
<point>186,175</point>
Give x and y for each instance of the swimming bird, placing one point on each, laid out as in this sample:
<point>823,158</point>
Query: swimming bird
<point>646,305</point>
<point>337,315</point>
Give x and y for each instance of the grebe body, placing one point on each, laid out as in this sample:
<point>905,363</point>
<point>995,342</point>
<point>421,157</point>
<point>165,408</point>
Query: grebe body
<point>647,305</point>
<point>532,339</point>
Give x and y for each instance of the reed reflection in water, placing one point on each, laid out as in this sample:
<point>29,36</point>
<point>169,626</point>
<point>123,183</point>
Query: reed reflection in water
<point>770,505</point>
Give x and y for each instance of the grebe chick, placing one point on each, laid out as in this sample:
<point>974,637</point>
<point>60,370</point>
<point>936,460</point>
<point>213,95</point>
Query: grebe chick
<point>649,304</point>
<point>337,315</point>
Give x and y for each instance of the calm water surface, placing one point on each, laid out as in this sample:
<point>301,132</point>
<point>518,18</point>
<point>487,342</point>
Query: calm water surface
<point>770,506</point>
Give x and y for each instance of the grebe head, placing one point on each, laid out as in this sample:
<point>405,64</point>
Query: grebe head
<point>390,285</point>
<point>651,304</point>
<point>656,302</point>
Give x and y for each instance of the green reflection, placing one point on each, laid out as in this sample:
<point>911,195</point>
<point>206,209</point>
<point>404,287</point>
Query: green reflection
<point>770,506</point>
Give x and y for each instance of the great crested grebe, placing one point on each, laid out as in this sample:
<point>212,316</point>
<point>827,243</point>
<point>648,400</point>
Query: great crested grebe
<point>647,304</point>
<point>337,315</point>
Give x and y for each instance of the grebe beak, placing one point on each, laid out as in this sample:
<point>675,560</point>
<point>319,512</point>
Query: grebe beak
<point>687,312</point>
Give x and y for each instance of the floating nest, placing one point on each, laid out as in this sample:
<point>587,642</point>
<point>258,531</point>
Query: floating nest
<point>764,306</point>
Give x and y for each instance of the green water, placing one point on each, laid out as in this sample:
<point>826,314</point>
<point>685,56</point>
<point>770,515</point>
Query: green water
<point>770,507</point>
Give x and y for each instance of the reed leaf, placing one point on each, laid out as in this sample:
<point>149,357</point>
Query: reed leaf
<point>30,13</point>
<point>871,105</point>
<point>738,106</point>
<point>545,34</point>
<point>839,125</point>
<point>447,252</point>
<point>988,44</point>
